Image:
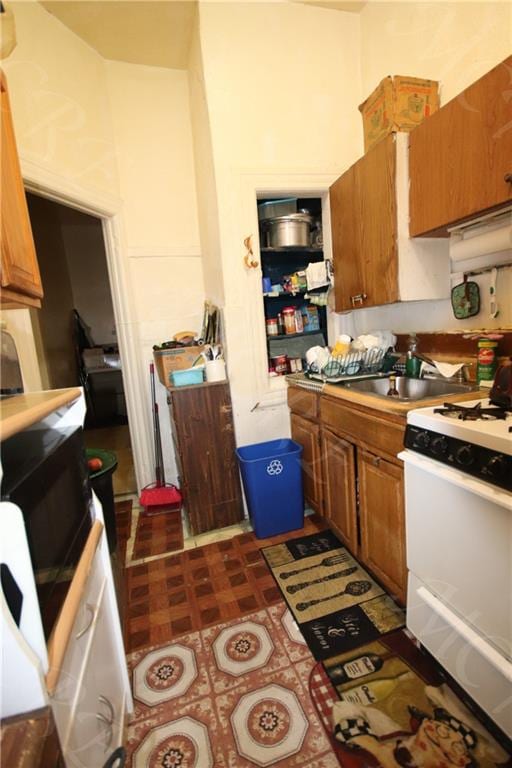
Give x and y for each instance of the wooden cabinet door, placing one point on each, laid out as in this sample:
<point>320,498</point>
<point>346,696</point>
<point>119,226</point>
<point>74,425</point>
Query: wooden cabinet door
<point>340,487</point>
<point>382,520</point>
<point>20,271</point>
<point>376,174</point>
<point>460,156</point>
<point>206,447</point>
<point>346,241</point>
<point>364,230</point>
<point>307,434</point>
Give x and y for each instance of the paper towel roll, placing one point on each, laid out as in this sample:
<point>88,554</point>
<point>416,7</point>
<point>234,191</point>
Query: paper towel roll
<point>486,242</point>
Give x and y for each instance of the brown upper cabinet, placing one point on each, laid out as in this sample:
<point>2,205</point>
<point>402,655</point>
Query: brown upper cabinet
<point>375,262</point>
<point>20,278</point>
<point>461,157</point>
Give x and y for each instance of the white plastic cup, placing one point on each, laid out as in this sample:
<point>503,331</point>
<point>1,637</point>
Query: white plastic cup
<point>215,370</point>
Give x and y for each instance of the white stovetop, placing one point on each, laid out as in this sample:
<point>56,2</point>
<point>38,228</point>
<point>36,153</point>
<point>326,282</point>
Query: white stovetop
<point>493,434</point>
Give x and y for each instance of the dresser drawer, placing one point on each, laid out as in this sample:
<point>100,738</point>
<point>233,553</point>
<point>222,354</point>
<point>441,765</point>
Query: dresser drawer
<point>303,402</point>
<point>63,698</point>
<point>97,723</point>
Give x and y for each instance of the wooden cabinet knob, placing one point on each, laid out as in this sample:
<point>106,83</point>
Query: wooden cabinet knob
<point>508,178</point>
<point>376,461</point>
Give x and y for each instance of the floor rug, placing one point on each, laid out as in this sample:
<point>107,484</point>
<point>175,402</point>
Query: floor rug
<point>337,605</point>
<point>234,695</point>
<point>157,534</point>
<point>396,709</point>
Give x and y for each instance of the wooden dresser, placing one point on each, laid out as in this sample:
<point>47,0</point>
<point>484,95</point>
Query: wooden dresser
<point>204,442</point>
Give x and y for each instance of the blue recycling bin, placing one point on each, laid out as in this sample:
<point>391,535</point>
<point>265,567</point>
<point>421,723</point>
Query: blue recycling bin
<point>272,479</point>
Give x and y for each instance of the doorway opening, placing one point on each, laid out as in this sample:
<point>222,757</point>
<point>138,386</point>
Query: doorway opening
<point>75,330</point>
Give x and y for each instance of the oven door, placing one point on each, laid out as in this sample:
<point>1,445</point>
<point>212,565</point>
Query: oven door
<point>459,556</point>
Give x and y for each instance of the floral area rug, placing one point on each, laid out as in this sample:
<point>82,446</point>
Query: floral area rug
<point>337,604</point>
<point>235,695</point>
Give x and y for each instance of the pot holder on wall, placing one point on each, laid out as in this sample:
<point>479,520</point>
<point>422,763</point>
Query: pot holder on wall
<point>466,300</point>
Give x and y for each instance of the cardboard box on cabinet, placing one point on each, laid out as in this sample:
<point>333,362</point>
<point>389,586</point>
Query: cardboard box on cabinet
<point>169,360</point>
<point>398,103</point>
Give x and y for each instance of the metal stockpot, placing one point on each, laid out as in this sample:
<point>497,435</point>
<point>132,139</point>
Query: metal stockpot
<point>289,231</point>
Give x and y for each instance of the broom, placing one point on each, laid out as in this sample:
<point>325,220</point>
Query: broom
<point>158,497</point>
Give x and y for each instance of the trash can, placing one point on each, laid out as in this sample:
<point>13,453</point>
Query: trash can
<point>272,479</point>
<point>101,483</point>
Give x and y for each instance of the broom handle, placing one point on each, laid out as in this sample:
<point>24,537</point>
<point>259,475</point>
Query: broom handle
<point>156,430</point>
<point>160,475</point>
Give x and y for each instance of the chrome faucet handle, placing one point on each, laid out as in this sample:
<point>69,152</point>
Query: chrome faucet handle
<point>463,373</point>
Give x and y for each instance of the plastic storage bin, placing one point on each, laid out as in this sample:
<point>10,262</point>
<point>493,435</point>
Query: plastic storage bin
<point>272,479</point>
<point>187,377</point>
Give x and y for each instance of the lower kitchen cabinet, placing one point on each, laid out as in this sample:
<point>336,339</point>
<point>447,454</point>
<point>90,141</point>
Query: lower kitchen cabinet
<point>307,434</point>
<point>340,505</point>
<point>204,441</point>
<point>382,521</point>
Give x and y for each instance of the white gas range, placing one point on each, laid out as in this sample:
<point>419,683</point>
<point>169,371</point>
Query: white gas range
<point>458,487</point>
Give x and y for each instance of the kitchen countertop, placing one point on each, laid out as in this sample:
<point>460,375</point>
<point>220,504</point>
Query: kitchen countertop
<point>390,405</point>
<point>21,411</point>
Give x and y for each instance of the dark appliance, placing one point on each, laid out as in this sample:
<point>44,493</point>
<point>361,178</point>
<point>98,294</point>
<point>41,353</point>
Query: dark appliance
<point>501,392</point>
<point>45,475</point>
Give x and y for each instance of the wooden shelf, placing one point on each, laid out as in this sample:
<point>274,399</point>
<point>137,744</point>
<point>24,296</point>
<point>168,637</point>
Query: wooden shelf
<point>292,249</point>
<point>295,335</point>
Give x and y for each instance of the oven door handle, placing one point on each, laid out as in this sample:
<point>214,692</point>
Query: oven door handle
<point>473,639</point>
<point>454,476</point>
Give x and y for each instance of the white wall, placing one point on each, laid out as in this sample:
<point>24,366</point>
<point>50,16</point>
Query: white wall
<point>62,124</point>
<point>59,100</point>
<point>282,81</point>
<point>153,137</point>
<point>455,43</point>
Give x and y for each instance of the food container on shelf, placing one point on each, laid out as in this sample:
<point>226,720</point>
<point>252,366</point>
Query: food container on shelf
<point>299,325</point>
<point>288,314</point>
<point>289,231</point>
<point>279,364</point>
<point>294,364</point>
<point>272,326</point>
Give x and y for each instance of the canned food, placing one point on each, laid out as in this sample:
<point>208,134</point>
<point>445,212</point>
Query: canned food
<point>288,314</point>
<point>272,327</point>
<point>279,364</point>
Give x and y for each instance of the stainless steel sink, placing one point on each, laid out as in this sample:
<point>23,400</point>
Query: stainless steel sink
<point>410,389</point>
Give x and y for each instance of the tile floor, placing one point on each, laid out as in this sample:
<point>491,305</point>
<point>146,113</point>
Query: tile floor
<point>178,593</point>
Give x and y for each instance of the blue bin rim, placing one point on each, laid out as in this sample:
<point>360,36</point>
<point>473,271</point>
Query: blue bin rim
<point>276,448</point>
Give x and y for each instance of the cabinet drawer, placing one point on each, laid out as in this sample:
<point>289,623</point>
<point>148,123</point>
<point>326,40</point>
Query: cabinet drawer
<point>64,695</point>
<point>303,402</point>
<point>368,428</point>
<point>97,722</point>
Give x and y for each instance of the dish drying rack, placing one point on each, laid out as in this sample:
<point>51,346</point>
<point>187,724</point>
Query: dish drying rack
<point>354,364</point>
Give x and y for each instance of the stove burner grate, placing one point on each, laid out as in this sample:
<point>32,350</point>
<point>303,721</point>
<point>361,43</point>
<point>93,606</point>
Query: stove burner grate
<point>471,413</point>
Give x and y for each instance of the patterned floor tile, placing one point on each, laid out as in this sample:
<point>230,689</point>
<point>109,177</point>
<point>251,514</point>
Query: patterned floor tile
<point>291,638</point>
<point>243,649</point>
<point>190,739</point>
<point>162,675</point>
<point>272,723</point>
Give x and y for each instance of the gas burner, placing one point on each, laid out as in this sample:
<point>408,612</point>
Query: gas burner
<point>471,413</point>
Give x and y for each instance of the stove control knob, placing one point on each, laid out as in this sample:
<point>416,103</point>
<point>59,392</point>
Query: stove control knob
<point>422,440</point>
<point>496,467</point>
<point>465,455</point>
<point>439,446</point>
